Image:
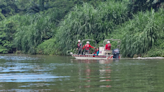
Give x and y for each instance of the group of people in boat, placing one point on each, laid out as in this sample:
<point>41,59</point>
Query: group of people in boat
<point>87,46</point>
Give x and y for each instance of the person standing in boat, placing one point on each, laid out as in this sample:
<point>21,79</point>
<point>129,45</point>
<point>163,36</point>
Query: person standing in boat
<point>87,46</point>
<point>108,48</point>
<point>79,47</point>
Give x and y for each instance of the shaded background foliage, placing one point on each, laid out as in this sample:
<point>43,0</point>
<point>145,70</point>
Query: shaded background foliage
<point>54,26</point>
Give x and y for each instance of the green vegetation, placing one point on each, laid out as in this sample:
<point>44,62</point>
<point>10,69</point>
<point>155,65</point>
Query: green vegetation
<point>7,30</point>
<point>33,32</point>
<point>54,26</point>
<point>88,23</point>
<point>142,32</point>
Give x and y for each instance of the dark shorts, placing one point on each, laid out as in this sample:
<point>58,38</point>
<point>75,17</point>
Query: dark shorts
<point>86,51</point>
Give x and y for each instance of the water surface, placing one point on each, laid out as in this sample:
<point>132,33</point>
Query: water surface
<point>24,73</point>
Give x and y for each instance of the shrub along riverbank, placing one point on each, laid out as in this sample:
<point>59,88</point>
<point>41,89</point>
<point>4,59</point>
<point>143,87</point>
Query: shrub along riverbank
<point>56,32</point>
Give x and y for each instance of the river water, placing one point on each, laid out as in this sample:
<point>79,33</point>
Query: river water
<point>24,73</point>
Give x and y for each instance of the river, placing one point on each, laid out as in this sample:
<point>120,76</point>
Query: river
<point>39,73</point>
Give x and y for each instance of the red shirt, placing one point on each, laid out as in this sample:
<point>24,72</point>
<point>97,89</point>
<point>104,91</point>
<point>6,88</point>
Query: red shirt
<point>108,46</point>
<point>87,46</point>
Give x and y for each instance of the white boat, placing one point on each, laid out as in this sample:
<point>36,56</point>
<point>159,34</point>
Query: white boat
<point>102,53</point>
<point>91,56</point>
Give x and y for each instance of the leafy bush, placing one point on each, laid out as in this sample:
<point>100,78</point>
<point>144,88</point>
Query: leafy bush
<point>47,47</point>
<point>7,31</point>
<point>155,51</point>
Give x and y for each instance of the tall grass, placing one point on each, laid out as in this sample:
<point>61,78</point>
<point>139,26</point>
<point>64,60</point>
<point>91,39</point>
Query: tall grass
<point>32,31</point>
<point>142,32</point>
<point>87,22</point>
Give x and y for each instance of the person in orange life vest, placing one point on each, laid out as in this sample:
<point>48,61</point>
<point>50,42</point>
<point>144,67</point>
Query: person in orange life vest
<point>108,46</point>
<point>87,47</point>
<point>79,47</point>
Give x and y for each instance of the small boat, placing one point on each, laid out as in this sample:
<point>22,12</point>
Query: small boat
<point>102,53</point>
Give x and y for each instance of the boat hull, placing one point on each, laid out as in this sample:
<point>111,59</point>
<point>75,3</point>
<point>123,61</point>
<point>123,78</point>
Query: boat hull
<point>92,57</point>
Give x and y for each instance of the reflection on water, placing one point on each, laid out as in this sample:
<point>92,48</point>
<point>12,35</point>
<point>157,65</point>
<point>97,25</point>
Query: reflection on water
<point>27,77</point>
<point>63,74</point>
<point>93,74</point>
<point>17,58</point>
<point>105,71</point>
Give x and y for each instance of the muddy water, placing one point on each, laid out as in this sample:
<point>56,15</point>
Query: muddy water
<point>24,73</point>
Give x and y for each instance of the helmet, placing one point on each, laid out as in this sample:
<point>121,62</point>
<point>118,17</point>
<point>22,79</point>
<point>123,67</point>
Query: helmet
<point>87,41</point>
<point>108,41</point>
<point>78,40</point>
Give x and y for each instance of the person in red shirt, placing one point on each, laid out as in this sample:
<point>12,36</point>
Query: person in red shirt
<point>108,46</point>
<point>87,47</point>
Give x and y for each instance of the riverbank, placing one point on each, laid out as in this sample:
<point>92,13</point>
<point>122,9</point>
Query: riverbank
<point>41,55</point>
<point>149,58</point>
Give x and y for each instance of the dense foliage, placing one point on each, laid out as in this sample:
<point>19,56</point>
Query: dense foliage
<point>7,30</point>
<point>33,31</point>
<point>54,26</point>
<point>86,22</point>
<point>12,7</point>
<point>142,32</point>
